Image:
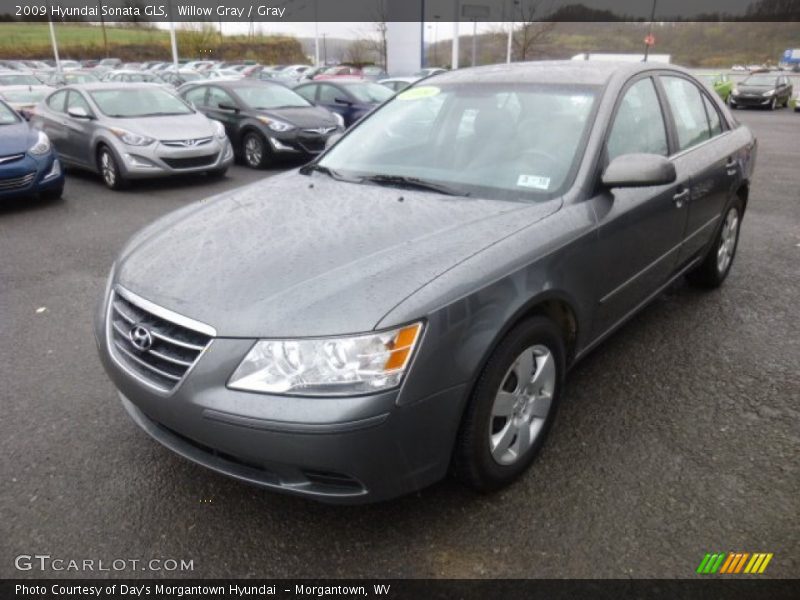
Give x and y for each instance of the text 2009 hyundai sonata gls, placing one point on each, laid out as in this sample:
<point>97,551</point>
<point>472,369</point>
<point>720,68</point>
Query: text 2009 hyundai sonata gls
<point>410,302</point>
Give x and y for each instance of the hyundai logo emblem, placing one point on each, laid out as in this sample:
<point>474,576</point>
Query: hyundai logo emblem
<point>140,338</point>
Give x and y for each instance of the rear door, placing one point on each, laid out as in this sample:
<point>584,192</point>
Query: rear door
<point>703,154</point>
<point>639,228</point>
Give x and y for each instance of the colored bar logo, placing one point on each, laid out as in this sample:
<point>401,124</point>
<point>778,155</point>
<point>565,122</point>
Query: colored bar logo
<point>733,563</point>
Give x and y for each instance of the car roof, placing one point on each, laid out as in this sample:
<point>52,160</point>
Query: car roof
<point>552,71</point>
<point>115,85</point>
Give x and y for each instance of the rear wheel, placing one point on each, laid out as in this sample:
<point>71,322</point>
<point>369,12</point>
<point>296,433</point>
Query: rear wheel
<point>109,169</point>
<point>512,406</point>
<point>254,150</point>
<point>717,264</point>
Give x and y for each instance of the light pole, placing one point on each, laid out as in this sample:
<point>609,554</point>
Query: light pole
<point>649,37</point>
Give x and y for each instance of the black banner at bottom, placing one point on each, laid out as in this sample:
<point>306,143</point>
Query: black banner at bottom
<point>401,589</point>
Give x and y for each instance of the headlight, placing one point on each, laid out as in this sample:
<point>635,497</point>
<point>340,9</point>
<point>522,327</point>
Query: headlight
<point>132,139</point>
<point>219,129</point>
<point>769,93</point>
<point>42,145</point>
<point>339,119</point>
<point>328,366</point>
<point>275,125</point>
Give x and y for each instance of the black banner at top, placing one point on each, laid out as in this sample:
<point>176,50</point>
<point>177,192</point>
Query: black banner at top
<point>398,10</point>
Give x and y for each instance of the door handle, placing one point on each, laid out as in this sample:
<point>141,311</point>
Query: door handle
<point>681,196</point>
<point>731,166</point>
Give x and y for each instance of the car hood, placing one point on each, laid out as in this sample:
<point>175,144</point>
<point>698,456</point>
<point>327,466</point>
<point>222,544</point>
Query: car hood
<point>16,138</point>
<point>169,127</point>
<point>306,256</point>
<point>302,116</point>
<point>754,89</point>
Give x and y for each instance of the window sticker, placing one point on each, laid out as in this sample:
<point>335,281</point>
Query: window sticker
<point>425,91</point>
<point>533,181</point>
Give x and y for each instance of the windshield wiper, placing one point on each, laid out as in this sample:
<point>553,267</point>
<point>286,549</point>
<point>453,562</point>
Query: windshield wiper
<point>414,182</point>
<point>309,168</point>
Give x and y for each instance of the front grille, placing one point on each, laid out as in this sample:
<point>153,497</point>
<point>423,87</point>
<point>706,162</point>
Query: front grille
<point>187,143</point>
<point>173,350</point>
<point>190,163</point>
<point>15,183</point>
<point>4,160</point>
<point>312,146</point>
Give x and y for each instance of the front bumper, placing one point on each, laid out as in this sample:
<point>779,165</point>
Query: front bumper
<point>309,142</point>
<point>29,176</point>
<point>341,450</point>
<point>160,160</point>
<point>742,100</point>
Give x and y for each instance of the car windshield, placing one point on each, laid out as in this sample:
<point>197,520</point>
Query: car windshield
<point>267,96</point>
<point>760,80</point>
<point>18,79</point>
<point>72,78</point>
<point>369,92</point>
<point>490,140</point>
<point>23,96</point>
<point>7,116</point>
<point>128,103</point>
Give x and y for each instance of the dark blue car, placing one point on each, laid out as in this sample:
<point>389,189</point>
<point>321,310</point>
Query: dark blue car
<point>350,98</point>
<point>28,162</point>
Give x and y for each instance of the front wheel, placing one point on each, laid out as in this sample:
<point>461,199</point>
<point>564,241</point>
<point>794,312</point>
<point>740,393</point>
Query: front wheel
<point>254,150</point>
<point>717,264</point>
<point>109,169</point>
<point>512,406</point>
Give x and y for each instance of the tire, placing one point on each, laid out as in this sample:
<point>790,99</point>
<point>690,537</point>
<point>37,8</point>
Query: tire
<point>109,169</point>
<point>718,262</point>
<point>255,151</point>
<point>490,449</point>
<point>218,173</point>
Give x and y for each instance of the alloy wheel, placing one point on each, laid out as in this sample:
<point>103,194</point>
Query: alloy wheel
<point>108,168</point>
<point>522,404</point>
<point>727,240</point>
<point>253,151</point>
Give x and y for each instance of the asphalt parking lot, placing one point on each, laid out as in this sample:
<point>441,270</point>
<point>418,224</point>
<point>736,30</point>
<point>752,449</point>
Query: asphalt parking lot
<point>679,436</point>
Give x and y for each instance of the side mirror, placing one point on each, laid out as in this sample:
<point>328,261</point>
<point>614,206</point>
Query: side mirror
<point>639,170</point>
<point>332,140</point>
<point>224,106</point>
<point>342,101</point>
<point>78,112</point>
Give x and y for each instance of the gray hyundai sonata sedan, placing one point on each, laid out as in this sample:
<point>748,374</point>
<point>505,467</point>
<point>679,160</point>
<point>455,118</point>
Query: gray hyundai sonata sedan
<point>409,303</point>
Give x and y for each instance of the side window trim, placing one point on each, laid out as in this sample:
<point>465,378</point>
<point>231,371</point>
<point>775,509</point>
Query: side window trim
<point>675,150</point>
<point>618,102</point>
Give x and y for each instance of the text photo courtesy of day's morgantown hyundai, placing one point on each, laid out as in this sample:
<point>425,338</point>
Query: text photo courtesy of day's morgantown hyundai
<point>379,298</point>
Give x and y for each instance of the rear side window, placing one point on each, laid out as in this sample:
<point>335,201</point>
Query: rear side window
<point>713,117</point>
<point>687,104</point>
<point>639,123</point>
<point>56,101</point>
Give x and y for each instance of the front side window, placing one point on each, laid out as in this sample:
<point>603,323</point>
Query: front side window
<point>308,92</point>
<point>217,97</point>
<point>328,94</point>
<point>7,116</point>
<point>686,102</point>
<point>505,140</point>
<point>369,92</point>
<point>56,101</point>
<point>197,95</point>
<point>76,100</point>
<point>639,123</point>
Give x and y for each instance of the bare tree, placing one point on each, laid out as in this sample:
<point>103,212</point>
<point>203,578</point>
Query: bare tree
<point>359,51</point>
<point>379,42</point>
<point>528,32</point>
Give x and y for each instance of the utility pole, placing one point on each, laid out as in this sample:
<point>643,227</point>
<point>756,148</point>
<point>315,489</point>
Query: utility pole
<point>103,27</point>
<point>454,59</point>
<point>53,39</point>
<point>474,40</point>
